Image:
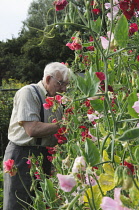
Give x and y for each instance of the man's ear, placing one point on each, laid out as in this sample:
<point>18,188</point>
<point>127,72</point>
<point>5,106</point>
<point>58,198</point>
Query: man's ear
<point>48,79</point>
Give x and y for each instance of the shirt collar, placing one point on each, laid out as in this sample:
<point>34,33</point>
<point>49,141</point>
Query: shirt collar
<point>44,91</point>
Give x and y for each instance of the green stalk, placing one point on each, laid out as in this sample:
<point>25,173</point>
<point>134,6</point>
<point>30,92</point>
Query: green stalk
<point>24,185</point>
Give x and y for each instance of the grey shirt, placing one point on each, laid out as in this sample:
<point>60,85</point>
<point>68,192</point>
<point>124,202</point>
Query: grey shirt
<point>26,107</point>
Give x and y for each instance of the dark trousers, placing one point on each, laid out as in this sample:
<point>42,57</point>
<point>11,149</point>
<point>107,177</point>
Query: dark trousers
<point>13,188</point>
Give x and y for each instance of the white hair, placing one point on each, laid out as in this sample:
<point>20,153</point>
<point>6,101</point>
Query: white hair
<point>52,68</point>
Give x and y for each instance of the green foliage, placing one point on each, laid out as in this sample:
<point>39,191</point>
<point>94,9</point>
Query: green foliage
<point>121,32</point>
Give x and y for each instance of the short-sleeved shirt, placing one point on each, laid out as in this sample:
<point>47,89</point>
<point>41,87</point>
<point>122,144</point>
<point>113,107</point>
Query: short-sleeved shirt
<point>26,107</point>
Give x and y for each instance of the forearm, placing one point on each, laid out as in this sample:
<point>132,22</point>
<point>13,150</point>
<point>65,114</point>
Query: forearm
<point>40,129</point>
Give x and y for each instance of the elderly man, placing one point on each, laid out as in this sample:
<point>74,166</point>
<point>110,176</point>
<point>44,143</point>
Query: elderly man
<point>31,130</point>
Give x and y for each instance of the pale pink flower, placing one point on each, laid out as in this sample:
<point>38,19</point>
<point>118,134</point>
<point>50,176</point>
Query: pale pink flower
<point>136,106</point>
<point>79,165</point>
<point>115,9</point>
<point>105,41</point>
<point>66,182</point>
<point>90,180</point>
<point>114,204</point>
<point>92,137</point>
<point>92,117</point>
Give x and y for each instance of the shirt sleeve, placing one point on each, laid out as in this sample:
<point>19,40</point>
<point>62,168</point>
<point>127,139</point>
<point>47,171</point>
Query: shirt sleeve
<point>28,105</point>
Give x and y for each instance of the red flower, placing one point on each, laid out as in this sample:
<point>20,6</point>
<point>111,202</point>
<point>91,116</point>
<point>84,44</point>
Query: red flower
<point>60,4</point>
<point>69,111</point>
<point>96,11</point>
<point>50,158</point>
<point>100,75</point>
<point>124,5</point>
<point>37,175</point>
<point>91,39</point>
<point>129,14</point>
<point>136,4</point>
<point>133,28</point>
<point>91,48</point>
<point>130,166</point>
<point>51,150</point>
<point>137,57</point>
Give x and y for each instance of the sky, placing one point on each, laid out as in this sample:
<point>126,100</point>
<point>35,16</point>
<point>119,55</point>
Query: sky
<point>12,14</point>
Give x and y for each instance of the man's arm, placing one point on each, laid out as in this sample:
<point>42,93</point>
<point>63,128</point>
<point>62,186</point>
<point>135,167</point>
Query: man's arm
<point>40,129</point>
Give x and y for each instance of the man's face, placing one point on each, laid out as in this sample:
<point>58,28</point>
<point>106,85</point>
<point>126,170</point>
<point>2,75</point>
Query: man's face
<point>56,84</point>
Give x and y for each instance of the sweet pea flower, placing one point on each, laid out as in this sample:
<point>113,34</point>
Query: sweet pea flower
<point>9,167</point>
<point>92,117</point>
<point>105,41</point>
<point>60,4</point>
<point>75,45</point>
<point>114,204</point>
<point>49,103</point>
<point>115,9</point>
<point>58,98</point>
<point>136,106</point>
<point>66,182</point>
<point>79,165</point>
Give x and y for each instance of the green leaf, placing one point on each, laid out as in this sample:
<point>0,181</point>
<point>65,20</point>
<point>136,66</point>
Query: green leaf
<point>48,189</point>
<point>131,100</point>
<point>95,25</point>
<point>130,134</point>
<point>97,105</point>
<point>91,152</point>
<point>121,32</point>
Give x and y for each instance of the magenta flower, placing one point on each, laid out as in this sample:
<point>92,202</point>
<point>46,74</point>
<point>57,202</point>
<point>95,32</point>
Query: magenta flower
<point>66,182</point>
<point>9,167</point>
<point>136,106</point>
<point>114,204</point>
<point>60,4</point>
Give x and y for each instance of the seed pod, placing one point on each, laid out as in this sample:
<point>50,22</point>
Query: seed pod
<point>127,179</point>
<point>118,176</point>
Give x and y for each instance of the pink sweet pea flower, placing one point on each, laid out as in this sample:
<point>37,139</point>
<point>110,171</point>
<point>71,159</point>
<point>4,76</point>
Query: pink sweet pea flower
<point>115,9</point>
<point>114,204</point>
<point>66,182</point>
<point>49,104</point>
<point>58,98</point>
<point>105,41</point>
<point>79,165</point>
<point>9,167</point>
<point>37,175</point>
<point>75,45</point>
<point>136,106</point>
